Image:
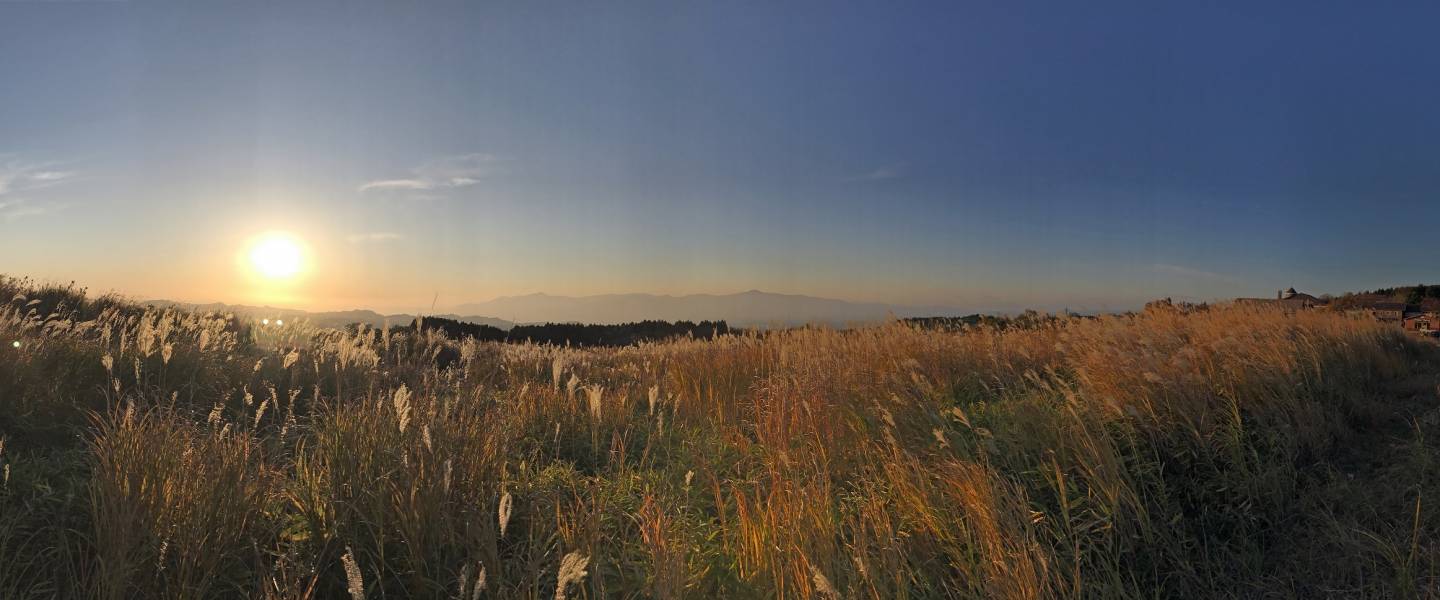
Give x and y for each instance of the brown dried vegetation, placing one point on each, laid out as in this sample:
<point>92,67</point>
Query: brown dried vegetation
<point>1234,452</point>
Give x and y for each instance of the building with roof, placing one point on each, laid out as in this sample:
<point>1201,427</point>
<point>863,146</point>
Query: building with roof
<point>1293,299</point>
<point>1389,312</point>
<point>1288,299</point>
<point>1422,322</point>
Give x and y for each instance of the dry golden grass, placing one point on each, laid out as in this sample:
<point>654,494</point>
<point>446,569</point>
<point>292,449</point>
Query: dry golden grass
<point>1234,452</point>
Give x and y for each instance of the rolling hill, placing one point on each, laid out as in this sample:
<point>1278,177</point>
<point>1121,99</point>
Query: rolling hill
<point>339,318</point>
<point>752,308</point>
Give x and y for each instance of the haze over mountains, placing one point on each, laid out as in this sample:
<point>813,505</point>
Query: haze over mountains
<point>339,318</point>
<point>748,309</point>
<point>752,308</point>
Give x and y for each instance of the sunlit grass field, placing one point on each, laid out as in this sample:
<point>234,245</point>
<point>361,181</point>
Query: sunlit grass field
<point>1231,452</point>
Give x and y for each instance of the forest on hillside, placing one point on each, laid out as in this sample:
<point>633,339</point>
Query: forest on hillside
<point>1420,297</point>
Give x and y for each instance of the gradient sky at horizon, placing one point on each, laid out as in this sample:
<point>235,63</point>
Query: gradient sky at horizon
<point>975,155</point>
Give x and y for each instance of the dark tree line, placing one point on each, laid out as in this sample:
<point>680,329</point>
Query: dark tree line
<point>1421,297</point>
<point>576,334</point>
<point>952,323</point>
<point>1029,319</point>
<point>1414,294</point>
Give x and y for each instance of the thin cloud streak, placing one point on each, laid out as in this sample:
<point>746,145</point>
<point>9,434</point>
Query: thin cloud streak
<point>396,184</point>
<point>373,237</point>
<point>445,173</point>
<point>11,210</point>
<point>1190,273</point>
<point>880,174</point>
<point>18,178</point>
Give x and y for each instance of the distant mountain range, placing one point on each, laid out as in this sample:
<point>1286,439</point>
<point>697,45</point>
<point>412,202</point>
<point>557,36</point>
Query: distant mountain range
<point>334,319</point>
<point>747,309</point>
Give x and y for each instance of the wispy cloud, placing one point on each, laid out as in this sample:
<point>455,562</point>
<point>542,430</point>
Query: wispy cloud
<point>880,173</point>
<point>373,237</point>
<point>11,210</point>
<point>395,184</point>
<point>440,174</point>
<point>18,179</point>
<point>1189,273</point>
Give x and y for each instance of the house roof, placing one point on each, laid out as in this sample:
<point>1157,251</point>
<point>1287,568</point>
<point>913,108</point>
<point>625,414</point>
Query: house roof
<point>1400,306</point>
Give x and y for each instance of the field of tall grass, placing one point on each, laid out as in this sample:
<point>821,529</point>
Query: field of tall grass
<point>1231,452</point>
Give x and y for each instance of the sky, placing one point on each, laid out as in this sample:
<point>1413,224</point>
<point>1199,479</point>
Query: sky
<point>974,155</point>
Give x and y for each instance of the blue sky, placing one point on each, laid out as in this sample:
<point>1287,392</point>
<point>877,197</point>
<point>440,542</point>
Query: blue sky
<point>977,155</point>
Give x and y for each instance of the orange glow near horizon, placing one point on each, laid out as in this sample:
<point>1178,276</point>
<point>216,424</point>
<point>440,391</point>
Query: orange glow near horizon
<point>274,263</point>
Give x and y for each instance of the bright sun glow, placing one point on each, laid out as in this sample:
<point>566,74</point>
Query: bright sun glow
<point>277,256</point>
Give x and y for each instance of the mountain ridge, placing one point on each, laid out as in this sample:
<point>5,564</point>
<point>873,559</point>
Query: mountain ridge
<point>331,318</point>
<point>749,308</point>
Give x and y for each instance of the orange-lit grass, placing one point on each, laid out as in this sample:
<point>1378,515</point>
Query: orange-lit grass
<point>1164,453</point>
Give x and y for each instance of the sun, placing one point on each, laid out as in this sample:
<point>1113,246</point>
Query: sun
<point>277,256</point>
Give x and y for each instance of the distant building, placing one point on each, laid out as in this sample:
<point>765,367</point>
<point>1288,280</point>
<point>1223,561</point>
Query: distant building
<point>1293,299</point>
<point>1288,299</point>
<point>1389,312</point>
<point>1424,323</point>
